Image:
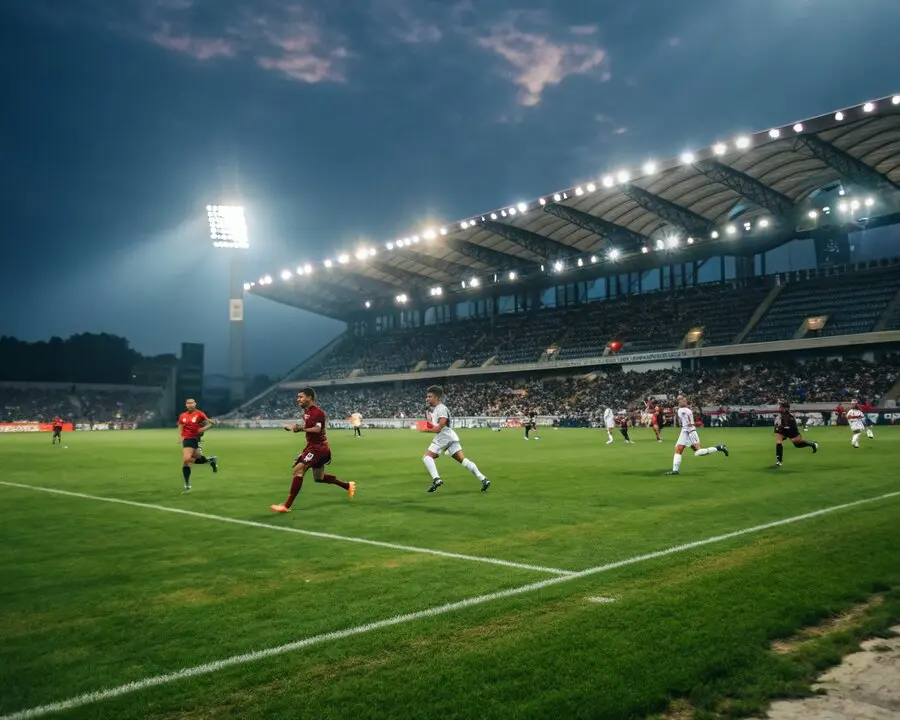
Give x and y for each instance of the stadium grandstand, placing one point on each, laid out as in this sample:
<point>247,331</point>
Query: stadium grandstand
<point>762,266</point>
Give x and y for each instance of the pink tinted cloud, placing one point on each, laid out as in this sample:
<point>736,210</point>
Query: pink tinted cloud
<point>535,60</point>
<point>201,48</point>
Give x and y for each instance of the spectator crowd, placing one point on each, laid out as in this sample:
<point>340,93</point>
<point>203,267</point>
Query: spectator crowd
<point>23,403</point>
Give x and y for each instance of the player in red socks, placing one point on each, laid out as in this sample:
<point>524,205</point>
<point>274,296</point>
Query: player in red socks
<point>316,455</point>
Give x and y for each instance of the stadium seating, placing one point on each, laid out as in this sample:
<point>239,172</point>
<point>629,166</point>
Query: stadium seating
<point>726,386</point>
<point>37,403</point>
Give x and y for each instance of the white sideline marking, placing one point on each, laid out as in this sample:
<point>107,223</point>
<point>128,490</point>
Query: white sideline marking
<point>298,531</point>
<point>208,668</point>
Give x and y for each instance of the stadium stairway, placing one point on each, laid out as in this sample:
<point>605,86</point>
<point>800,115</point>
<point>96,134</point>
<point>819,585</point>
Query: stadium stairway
<point>891,314</point>
<point>758,314</point>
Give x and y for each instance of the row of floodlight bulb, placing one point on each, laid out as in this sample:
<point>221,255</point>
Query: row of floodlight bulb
<point>844,206</point>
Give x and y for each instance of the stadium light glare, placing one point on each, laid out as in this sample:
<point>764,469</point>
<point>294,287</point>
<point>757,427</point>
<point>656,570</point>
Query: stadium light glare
<point>267,280</point>
<point>361,254</point>
<point>854,204</point>
<point>774,133</point>
<point>731,229</point>
<point>307,269</point>
<point>300,270</point>
<point>493,216</point>
<point>615,254</point>
<point>558,266</point>
<point>368,303</point>
<point>714,234</point>
<point>228,227</point>
<point>870,202</point>
<point>512,275</point>
<point>869,107</point>
<point>464,225</point>
<point>580,262</point>
<point>328,263</point>
<point>436,292</point>
<point>764,223</point>
<point>594,259</point>
<point>372,252</point>
<point>798,128</point>
<point>687,158</point>
<point>557,197</point>
<point>843,207</point>
<point>415,239</point>
<point>673,241</point>
<point>608,181</point>
<point>579,191</point>
<point>742,143</point>
<point>512,211</point>
<point>402,298</point>
<point>649,168</point>
<point>895,100</point>
<point>720,148</point>
<point>247,286</point>
<point>542,201</point>
<point>443,231</point>
<point>390,246</point>
<point>429,234</point>
<point>645,250</point>
<point>343,258</point>
<point>660,245</point>
<point>522,207</point>
<point>590,187</point>
<point>286,274</point>
<point>839,116</point>
<point>623,176</point>
<point>812,214</point>
<point>474,282</point>
<point>690,241</point>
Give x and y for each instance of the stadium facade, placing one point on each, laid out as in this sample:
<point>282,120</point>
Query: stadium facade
<point>740,223</point>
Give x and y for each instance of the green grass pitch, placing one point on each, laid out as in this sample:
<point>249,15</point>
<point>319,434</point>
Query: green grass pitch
<point>95,595</point>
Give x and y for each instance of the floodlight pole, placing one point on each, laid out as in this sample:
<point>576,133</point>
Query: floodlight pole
<point>236,385</point>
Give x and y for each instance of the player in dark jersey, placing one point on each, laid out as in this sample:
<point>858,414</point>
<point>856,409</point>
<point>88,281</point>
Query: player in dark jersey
<point>57,426</point>
<point>316,455</point>
<point>656,422</point>
<point>193,423</point>
<point>786,428</point>
<point>623,427</point>
<point>530,426</point>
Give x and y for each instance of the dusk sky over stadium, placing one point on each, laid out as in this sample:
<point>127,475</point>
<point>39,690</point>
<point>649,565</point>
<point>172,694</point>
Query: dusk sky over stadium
<point>356,119</point>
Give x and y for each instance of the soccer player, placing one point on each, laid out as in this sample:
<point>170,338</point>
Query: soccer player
<point>857,420</point>
<point>623,428</point>
<point>356,424</point>
<point>656,422</point>
<point>530,426</point>
<point>609,420</point>
<point>57,426</point>
<point>193,423</point>
<point>446,440</point>
<point>786,427</point>
<point>316,455</point>
<point>689,437</point>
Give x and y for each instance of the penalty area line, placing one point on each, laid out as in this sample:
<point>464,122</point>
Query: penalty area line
<point>235,660</point>
<point>297,531</point>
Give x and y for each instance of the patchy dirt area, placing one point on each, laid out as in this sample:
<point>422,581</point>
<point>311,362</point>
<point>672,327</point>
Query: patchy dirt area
<point>865,686</point>
<point>848,620</point>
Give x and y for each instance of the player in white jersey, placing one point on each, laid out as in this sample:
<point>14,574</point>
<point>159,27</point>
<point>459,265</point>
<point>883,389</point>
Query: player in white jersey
<point>689,437</point>
<point>446,440</point>
<point>857,420</point>
<point>609,420</point>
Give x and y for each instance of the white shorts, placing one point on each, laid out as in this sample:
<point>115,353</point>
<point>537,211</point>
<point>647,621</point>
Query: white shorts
<point>611,427</point>
<point>451,447</point>
<point>688,438</point>
<point>858,426</point>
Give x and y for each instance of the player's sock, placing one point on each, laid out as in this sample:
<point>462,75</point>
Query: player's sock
<point>855,440</point>
<point>676,462</point>
<point>705,451</point>
<point>431,466</point>
<point>779,452</point>
<point>202,460</point>
<point>296,484</point>
<point>803,444</point>
<point>332,480</point>
<point>472,468</point>
<point>186,471</point>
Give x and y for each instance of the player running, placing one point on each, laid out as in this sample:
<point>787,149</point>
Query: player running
<point>609,421</point>
<point>530,426</point>
<point>786,427</point>
<point>446,440</point>
<point>57,426</point>
<point>689,437</point>
<point>857,420</point>
<point>193,423</point>
<point>356,424</point>
<point>623,428</point>
<point>316,455</point>
<point>656,422</point>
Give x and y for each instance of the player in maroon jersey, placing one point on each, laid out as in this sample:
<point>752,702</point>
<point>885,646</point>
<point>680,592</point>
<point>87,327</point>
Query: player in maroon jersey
<point>57,425</point>
<point>193,423</point>
<point>316,455</point>
<point>656,422</point>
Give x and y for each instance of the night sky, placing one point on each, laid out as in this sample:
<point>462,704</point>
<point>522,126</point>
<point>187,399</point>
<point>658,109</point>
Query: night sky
<point>348,119</point>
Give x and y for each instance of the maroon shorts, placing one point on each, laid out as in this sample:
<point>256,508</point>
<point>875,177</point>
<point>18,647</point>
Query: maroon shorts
<point>314,457</point>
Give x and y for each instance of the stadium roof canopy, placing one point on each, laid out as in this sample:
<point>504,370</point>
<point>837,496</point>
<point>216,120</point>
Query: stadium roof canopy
<point>739,196</point>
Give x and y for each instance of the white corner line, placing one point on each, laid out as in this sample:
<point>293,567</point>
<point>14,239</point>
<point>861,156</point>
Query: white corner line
<point>297,531</point>
<point>235,660</point>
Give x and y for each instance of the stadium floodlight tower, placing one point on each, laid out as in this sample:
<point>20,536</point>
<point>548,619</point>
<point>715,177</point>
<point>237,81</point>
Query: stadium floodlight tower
<point>228,231</point>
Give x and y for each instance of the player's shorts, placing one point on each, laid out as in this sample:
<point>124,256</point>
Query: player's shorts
<point>440,445</point>
<point>790,432</point>
<point>57,429</point>
<point>857,426</point>
<point>314,458</point>
<point>688,438</point>
<point>610,427</point>
<point>191,443</point>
